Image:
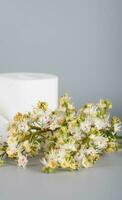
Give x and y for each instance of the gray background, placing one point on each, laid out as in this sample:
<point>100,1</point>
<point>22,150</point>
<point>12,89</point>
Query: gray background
<point>79,40</point>
<point>102,182</point>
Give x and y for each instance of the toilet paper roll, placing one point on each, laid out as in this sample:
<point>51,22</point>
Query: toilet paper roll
<point>19,92</point>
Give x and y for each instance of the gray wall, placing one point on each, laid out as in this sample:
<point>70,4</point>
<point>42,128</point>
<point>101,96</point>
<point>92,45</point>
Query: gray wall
<point>79,40</point>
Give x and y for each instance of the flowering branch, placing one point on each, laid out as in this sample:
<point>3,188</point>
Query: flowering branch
<point>68,139</point>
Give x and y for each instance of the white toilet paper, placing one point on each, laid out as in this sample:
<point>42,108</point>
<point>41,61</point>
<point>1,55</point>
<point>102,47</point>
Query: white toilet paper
<point>19,92</point>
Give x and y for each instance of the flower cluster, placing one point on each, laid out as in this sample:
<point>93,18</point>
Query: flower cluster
<point>3,147</point>
<point>63,138</point>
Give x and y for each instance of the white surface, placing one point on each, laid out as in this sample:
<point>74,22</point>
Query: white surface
<point>102,182</point>
<point>19,92</point>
